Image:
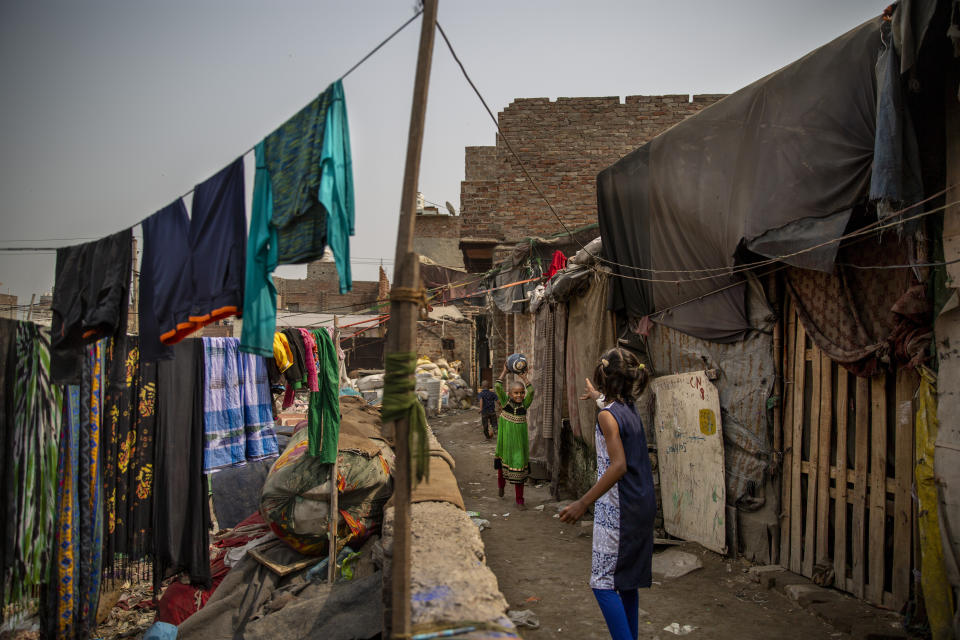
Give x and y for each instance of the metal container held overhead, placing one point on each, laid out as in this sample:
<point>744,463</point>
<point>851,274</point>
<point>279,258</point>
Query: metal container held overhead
<point>517,363</point>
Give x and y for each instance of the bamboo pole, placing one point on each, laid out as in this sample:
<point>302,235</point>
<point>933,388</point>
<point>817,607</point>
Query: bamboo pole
<point>403,323</point>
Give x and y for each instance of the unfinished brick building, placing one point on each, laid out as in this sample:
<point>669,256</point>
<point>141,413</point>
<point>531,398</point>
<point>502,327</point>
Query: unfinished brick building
<point>320,291</point>
<point>563,144</point>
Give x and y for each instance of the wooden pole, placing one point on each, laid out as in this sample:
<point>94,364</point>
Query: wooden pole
<point>334,518</point>
<point>402,336</point>
<point>33,297</point>
<point>779,469</point>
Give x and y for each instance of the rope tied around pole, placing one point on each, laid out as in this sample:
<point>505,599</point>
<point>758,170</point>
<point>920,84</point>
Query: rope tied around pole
<point>412,295</point>
<point>400,401</point>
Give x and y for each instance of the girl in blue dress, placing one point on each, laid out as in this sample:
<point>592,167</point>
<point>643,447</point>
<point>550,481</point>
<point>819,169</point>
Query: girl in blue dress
<point>623,496</point>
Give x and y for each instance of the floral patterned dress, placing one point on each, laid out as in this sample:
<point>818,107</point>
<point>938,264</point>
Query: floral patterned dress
<point>623,516</point>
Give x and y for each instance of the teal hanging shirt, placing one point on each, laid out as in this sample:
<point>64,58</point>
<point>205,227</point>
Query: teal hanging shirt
<point>260,294</point>
<point>336,183</point>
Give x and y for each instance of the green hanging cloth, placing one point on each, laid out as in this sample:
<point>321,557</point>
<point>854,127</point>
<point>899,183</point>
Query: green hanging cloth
<point>323,420</point>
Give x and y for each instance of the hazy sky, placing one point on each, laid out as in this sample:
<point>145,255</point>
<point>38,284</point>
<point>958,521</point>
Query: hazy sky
<point>111,110</point>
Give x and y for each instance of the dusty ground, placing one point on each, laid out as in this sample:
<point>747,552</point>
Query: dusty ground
<point>543,565</point>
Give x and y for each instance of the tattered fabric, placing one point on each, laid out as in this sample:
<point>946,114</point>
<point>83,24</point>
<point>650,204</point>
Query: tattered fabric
<point>865,319</point>
<point>745,383</point>
<point>584,349</point>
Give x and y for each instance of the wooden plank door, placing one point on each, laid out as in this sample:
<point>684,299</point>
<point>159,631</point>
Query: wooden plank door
<point>847,514</point>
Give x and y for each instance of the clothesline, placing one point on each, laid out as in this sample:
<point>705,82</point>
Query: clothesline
<point>342,76</point>
<point>252,148</point>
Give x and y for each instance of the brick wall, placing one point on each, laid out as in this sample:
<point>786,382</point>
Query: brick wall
<point>438,238</point>
<point>8,306</point>
<point>564,144</point>
<point>479,193</point>
<point>320,291</point>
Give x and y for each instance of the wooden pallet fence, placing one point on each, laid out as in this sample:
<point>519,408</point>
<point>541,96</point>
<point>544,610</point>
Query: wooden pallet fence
<point>846,511</point>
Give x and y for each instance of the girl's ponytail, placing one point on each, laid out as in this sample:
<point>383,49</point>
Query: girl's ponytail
<point>620,375</point>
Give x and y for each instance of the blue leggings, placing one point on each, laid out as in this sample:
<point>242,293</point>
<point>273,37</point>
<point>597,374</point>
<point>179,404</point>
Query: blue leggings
<point>621,611</point>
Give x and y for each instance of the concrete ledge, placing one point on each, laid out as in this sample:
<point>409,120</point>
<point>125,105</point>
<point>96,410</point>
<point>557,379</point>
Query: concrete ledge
<point>450,581</point>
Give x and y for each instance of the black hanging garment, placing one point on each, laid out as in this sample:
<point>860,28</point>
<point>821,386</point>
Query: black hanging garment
<point>181,515</point>
<point>90,297</point>
<point>128,441</point>
<point>193,267</point>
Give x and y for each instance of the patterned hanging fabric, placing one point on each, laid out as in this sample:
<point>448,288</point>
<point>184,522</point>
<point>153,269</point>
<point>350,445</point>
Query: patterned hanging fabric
<point>79,505</point>
<point>91,498</point>
<point>30,433</point>
<point>63,598</point>
<point>128,437</point>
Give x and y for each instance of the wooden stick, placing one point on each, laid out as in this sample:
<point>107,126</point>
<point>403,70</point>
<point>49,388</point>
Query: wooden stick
<point>858,533</point>
<point>823,472</point>
<point>840,512</point>
<point>786,471</point>
<point>878,488</point>
<point>334,518</point>
<point>903,470</point>
<point>810,531</point>
<point>402,336</point>
<point>796,517</point>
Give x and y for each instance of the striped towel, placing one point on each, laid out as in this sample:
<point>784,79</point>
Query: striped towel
<point>261,439</point>
<point>238,421</point>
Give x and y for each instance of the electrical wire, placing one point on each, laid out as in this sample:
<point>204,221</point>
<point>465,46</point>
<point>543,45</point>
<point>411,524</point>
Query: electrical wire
<point>721,271</point>
<point>503,137</point>
<point>49,239</point>
<point>385,41</point>
<point>861,233</point>
<point>898,266</point>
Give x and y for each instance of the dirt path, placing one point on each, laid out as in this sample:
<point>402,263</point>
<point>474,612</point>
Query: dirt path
<point>544,565</point>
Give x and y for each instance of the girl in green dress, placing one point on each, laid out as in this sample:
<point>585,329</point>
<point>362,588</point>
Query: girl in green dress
<point>512,460</point>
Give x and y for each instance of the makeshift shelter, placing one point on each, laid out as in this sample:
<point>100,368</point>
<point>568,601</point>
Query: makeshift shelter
<point>781,241</point>
<point>781,238</point>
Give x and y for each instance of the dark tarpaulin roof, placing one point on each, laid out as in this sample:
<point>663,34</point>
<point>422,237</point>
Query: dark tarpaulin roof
<point>775,167</point>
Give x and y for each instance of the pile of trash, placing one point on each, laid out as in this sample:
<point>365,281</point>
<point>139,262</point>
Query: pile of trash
<point>295,498</point>
<point>370,386</point>
<point>439,385</point>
